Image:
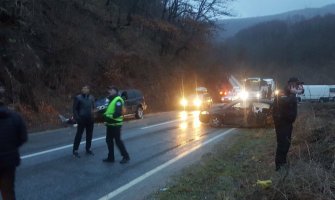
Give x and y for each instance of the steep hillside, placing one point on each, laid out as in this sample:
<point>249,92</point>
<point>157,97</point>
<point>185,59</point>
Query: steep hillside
<point>49,49</point>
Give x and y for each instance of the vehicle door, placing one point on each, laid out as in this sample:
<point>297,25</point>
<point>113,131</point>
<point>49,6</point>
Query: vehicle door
<point>237,113</point>
<point>131,102</point>
<point>125,96</point>
<point>139,97</point>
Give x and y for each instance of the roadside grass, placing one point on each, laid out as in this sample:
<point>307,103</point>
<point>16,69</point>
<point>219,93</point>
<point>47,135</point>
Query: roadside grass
<point>232,169</point>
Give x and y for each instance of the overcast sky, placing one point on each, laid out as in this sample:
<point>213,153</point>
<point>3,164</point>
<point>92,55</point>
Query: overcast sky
<point>254,8</point>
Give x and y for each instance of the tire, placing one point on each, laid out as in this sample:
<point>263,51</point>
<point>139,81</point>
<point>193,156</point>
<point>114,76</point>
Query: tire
<point>139,113</point>
<point>215,121</point>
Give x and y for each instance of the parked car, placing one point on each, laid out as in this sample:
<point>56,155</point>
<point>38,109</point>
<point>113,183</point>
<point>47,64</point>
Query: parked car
<point>134,103</point>
<point>240,113</point>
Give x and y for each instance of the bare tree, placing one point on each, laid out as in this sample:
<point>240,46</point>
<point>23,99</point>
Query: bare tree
<point>208,10</point>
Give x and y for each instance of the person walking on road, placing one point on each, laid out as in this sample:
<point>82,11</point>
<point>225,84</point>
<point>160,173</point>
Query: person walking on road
<point>13,134</point>
<point>83,107</point>
<point>285,111</point>
<point>114,120</point>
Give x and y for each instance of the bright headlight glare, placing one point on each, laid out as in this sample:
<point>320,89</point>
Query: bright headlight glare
<point>276,92</point>
<point>183,102</point>
<point>258,95</point>
<point>244,95</point>
<point>197,102</point>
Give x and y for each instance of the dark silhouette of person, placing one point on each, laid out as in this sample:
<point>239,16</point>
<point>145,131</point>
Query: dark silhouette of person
<point>13,134</point>
<point>285,111</point>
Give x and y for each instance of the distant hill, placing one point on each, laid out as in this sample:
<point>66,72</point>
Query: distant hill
<point>280,48</point>
<point>230,27</point>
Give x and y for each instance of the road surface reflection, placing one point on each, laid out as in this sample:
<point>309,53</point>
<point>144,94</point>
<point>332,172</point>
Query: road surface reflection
<point>190,127</point>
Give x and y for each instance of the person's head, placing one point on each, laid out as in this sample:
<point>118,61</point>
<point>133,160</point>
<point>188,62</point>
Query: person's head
<point>85,89</point>
<point>112,90</point>
<point>294,86</point>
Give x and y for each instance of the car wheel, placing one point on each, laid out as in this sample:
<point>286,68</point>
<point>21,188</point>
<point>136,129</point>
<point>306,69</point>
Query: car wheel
<point>215,121</point>
<point>139,113</point>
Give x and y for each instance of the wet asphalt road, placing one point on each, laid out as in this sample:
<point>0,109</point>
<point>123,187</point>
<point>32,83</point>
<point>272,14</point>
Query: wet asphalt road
<point>160,146</point>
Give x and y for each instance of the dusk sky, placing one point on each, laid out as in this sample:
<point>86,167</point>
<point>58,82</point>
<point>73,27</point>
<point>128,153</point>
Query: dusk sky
<point>254,8</point>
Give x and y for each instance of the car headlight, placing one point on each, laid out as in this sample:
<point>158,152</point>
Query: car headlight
<point>258,95</point>
<point>197,102</point>
<point>183,102</point>
<point>244,95</point>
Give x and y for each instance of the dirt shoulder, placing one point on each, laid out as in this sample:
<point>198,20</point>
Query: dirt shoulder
<point>233,169</point>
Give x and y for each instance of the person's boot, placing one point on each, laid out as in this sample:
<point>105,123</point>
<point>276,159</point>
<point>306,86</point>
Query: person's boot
<point>89,152</point>
<point>75,154</point>
<point>108,160</point>
<point>124,160</point>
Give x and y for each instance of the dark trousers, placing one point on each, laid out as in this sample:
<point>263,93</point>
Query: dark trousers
<point>7,182</point>
<point>88,125</point>
<point>284,133</point>
<point>114,133</point>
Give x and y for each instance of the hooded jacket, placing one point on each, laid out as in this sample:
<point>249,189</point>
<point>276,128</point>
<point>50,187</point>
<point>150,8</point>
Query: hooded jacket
<point>13,134</point>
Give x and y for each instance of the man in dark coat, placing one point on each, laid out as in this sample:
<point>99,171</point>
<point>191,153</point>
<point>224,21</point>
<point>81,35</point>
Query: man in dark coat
<point>285,111</point>
<point>13,134</point>
<point>83,107</point>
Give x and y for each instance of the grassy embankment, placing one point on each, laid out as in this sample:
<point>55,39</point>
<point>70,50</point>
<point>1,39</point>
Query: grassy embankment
<point>232,170</point>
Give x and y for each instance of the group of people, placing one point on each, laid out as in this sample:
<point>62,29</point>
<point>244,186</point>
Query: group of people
<point>83,113</point>
<point>13,132</point>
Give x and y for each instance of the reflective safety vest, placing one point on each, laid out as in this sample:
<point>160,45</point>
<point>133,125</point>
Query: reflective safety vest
<point>111,110</point>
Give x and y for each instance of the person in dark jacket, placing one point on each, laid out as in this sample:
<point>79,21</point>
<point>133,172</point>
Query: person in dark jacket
<point>285,111</point>
<point>83,113</point>
<point>13,134</point>
<point>114,120</point>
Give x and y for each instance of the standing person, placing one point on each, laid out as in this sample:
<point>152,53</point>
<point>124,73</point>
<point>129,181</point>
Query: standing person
<point>114,120</point>
<point>83,106</point>
<point>285,111</point>
<point>13,134</point>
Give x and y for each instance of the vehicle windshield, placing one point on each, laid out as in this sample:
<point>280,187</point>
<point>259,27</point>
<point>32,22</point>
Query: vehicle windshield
<point>252,85</point>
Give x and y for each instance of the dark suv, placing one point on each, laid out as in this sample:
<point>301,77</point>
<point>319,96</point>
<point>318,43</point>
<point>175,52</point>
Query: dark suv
<point>134,103</point>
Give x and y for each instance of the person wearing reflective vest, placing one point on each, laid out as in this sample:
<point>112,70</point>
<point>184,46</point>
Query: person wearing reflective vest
<point>114,120</point>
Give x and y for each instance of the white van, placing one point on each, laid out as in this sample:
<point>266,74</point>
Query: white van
<point>321,93</point>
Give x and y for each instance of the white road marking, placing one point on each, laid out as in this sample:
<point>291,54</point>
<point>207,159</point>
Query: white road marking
<point>57,149</point>
<point>160,124</point>
<point>161,167</point>
<point>95,139</point>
